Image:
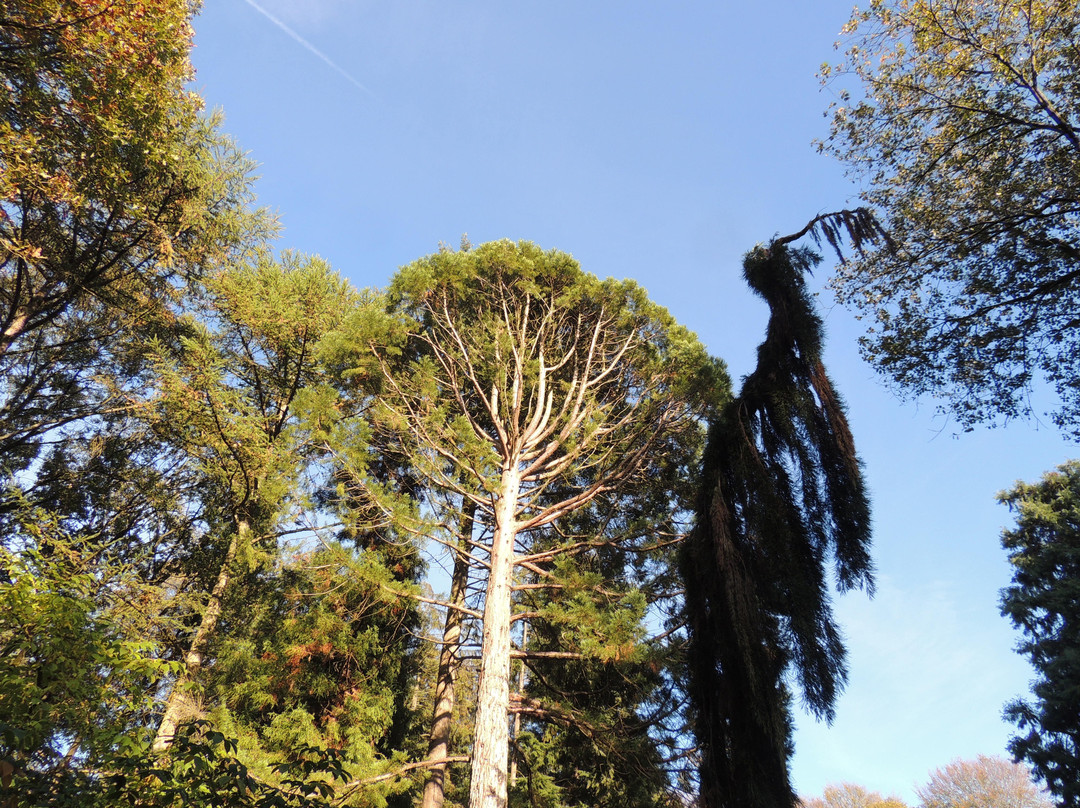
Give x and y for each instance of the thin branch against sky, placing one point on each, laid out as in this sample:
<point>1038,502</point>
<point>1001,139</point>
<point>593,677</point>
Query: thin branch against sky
<point>309,46</point>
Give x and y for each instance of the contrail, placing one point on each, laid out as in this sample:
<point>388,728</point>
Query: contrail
<point>308,45</point>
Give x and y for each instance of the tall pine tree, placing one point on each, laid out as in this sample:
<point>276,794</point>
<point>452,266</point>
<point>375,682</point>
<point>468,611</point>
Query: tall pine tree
<point>536,391</point>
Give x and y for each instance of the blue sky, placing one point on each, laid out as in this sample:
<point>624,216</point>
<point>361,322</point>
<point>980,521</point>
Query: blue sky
<point>658,142</point>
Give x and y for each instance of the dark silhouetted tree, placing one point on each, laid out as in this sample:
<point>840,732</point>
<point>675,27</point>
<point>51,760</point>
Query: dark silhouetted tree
<point>782,496</point>
<point>1044,603</point>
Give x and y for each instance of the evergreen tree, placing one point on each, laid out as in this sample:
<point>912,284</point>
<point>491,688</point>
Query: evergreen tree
<point>600,696</point>
<point>1044,603</point>
<point>596,693</point>
<point>328,660</point>
<point>528,376</point>
<point>138,555</point>
<point>782,495</point>
<point>228,398</point>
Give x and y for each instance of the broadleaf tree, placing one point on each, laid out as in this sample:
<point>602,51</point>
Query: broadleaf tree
<point>985,782</point>
<point>112,181</point>
<point>962,128</point>
<point>116,197</point>
<point>115,193</point>
<point>850,795</point>
<point>531,390</point>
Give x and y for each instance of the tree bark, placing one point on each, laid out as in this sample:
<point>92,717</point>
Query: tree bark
<point>520,695</point>
<point>491,738</point>
<point>179,701</point>
<point>439,741</point>
<point>13,331</point>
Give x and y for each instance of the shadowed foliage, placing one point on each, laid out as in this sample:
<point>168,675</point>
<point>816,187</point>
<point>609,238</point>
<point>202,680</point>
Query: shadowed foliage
<point>782,496</point>
<point>1044,603</point>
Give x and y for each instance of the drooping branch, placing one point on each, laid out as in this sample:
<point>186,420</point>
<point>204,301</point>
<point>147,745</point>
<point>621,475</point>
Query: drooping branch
<point>782,494</point>
<point>858,226</point>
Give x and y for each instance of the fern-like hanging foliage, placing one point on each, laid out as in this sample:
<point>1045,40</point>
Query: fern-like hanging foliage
<point>782,497</point>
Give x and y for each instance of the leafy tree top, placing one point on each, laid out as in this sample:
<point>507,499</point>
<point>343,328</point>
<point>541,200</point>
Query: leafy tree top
<point>111,182</point>
<point>985,782</point>
<point>965,137</point>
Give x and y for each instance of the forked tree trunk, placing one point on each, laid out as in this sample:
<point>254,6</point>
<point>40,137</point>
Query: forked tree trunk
<point>439,741</point>
<point>179,704</point>
<point>491,737</point>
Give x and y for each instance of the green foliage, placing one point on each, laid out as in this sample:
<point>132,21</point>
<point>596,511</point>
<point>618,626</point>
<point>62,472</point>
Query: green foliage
<point>593,728</point>
<point>329,643</point>
<point>965,138</point>
<point>508,357</point>
<point>447,386</point>
<point>74,680</point>
<point>1044,602</point>
<point>328,659</point>
<point>782,496</point>
<point>226,389</point>
<point>202,770</point>
<point>161,415</point>
<point>116,198</point>
<point>609,727</point>
<point>115,194</point>
<point>225,396</point>
<point>112,183</point>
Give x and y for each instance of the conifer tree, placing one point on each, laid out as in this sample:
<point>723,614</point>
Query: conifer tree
<point>600,700</point>
<point>228,398</point>
<point>532,390</point>
<point>327,657</point>
<point>1043,601</point>
<point>782,495</point>
<point>596,696</point>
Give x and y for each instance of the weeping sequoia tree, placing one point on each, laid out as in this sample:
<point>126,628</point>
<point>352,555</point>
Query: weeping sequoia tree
<point>782,493</point>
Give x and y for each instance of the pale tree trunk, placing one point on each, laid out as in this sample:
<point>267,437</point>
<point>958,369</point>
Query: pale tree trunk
<point>491,737</point>
<point>439,741</point>
<point>7,776</point>
<point>179,706</point>
<point>521,695</point>
<point>13,331</point>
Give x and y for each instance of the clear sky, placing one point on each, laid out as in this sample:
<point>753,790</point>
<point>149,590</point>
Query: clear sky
<point>656,141</point>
